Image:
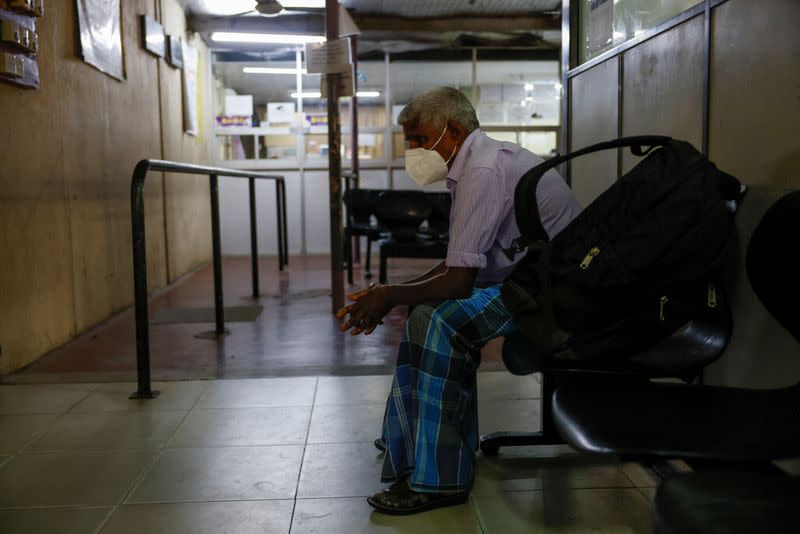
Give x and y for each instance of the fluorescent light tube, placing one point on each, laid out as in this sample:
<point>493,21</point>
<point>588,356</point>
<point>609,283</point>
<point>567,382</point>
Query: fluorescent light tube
<point>272,70</point>
<point>359,94</point>
<point>320,4</point>
<point>270,38</point>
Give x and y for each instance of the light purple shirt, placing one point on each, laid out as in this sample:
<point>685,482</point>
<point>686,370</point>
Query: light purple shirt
<point>482,181</point>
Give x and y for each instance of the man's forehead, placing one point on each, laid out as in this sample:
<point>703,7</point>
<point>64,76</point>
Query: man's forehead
<point>417,128</point>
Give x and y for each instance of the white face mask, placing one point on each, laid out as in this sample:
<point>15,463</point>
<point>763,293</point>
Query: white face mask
<point>427,166</point>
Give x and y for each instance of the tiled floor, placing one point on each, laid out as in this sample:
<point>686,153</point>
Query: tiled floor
<point>277,455</point>
<point>295,335</point>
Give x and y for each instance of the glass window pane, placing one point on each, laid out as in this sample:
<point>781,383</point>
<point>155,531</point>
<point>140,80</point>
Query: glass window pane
<point>518,93</point>
<point>603,24</point>
<point>540,143</point>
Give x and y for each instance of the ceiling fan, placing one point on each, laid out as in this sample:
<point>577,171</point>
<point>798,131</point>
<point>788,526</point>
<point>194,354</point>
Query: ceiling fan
<point>273,7</point>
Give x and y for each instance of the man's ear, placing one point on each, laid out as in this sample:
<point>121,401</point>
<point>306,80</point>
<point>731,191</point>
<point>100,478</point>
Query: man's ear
<point>456,132</point>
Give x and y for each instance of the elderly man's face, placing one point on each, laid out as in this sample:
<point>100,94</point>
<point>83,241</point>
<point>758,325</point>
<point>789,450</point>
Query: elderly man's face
<point>424,135</point>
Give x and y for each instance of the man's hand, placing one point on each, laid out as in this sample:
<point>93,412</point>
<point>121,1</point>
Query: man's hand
<point>368,308</point>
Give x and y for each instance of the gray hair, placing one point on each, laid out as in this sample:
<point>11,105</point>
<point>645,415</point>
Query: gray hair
<point>438,105</point>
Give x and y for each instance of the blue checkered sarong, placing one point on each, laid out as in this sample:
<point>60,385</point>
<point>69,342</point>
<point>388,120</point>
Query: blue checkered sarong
<point>430,427</point>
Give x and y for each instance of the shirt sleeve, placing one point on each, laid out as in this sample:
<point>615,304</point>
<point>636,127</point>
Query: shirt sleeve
<point>475,218</point>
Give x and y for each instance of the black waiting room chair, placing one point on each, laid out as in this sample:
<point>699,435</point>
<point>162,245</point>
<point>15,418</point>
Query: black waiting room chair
<point>729,435</point>
<point>360,205</point>
<point>402,213</point>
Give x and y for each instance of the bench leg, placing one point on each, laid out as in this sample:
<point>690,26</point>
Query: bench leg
<point>382,274</point>
<point>490,443</point>
<point>368,274</point>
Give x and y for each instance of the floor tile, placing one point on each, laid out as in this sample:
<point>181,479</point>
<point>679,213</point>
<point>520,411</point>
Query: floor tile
<point>109,431</point>
<point>61,520</point>
<point>237,517</point>
<point>504,385</point>
<point>355,516</point>
<point>221,474</point>
<point>618,511</point>
<point>639,475</point>
<point>649,493</point>
<point>70,479</point>
<point>340,470</point>
<point>347,423</point>
<point>353,389</point>
<point>243,427</point>
<point>173,396</point>
<point>258,393</point>
<point>527,472</point>
<point>40,399</point>
<point>19,430</point>
<point>520,415</point>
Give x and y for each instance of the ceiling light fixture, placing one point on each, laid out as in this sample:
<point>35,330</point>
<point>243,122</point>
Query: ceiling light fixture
<point>272,70</point>
<point>359,94</point>
<point>265,38</point>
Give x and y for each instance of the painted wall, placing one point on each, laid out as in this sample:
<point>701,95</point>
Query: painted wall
<point>754,107</point>
<point>67,152</point>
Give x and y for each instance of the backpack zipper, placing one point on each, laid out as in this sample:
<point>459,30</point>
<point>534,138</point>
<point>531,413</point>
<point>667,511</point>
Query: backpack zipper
<point>712,296</point>
<point>663,300</point>
<point>594,251</point>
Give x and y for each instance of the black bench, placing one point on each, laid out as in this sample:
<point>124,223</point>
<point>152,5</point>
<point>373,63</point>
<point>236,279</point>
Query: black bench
<point>729,435</point>
<point>401,213</point>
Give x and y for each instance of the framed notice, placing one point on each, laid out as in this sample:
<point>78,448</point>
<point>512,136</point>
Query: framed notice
<point>152,35</point>
<point>174,51</point>
<point>100,37</point>
<point>191,88</point>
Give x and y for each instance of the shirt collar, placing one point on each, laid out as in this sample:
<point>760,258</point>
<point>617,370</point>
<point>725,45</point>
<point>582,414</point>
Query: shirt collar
<point>455,171</point>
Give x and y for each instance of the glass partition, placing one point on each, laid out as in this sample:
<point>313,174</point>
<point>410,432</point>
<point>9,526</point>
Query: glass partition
<point>603,24</point>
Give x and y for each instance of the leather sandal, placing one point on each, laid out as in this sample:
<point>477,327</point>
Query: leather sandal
<point>402,500</point>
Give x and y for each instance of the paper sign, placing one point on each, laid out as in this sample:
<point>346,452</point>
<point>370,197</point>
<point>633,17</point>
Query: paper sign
<point>345,86</point>
<point>239,105</point>
<point>280,112</point>
<point>100,35</point>
<point>191,87</point>
<point>330,56</point>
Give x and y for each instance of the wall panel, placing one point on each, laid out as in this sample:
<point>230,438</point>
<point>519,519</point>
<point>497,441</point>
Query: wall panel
<point>755,91</point>
<point>662,89</point>
<point>593,118</point>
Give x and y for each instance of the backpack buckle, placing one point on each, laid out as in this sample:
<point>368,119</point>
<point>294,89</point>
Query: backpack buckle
<point>515,248</point>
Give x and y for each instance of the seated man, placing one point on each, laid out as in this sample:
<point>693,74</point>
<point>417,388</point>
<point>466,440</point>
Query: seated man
<point>430,432</point>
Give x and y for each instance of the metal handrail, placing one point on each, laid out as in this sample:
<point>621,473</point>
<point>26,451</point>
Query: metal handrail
<point>140,257</point>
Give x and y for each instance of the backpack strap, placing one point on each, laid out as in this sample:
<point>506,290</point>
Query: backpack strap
<point>526,206</point>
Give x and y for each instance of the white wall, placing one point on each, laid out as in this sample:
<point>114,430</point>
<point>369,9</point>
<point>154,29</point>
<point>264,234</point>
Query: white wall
<point>234,209</point>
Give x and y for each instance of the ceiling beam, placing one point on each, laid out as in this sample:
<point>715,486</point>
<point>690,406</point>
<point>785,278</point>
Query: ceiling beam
<point>507,23</point>
<point>308,23</point>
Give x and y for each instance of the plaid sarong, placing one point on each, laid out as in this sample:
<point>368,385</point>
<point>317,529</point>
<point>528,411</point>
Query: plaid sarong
<point>430,427</point>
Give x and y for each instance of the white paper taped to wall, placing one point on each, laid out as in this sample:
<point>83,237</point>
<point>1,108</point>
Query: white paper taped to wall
<point>330,56</point>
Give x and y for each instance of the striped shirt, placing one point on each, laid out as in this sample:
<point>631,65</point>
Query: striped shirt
<point>481,182</point>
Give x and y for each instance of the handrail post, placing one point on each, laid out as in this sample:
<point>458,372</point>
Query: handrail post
<point>253,237</point>
<point>285,224</point>
<point>279,220</point>
<point>219,311</point>
<point>140,284</point>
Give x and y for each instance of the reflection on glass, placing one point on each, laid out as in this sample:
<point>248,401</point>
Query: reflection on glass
<point>540,143</point>
<point>603,24</point>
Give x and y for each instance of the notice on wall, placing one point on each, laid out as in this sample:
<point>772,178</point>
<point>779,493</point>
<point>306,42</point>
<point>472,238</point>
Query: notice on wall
<point>191,88</point>
<point>345,84</point>
<point>280,112</point>
<point>101,40</point>
<point>330,56</point>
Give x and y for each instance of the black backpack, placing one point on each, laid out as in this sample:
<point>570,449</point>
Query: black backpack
<point>634,266</point>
